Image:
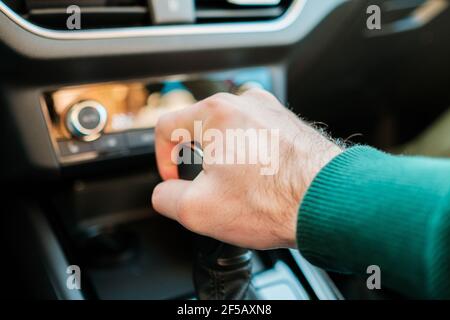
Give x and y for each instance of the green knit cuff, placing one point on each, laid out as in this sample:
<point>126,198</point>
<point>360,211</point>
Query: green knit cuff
<point>366,207</point>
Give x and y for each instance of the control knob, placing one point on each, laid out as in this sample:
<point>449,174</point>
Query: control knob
<point>86,120</point>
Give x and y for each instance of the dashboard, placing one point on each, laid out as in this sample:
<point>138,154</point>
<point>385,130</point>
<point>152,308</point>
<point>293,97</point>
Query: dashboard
<point>51,69</point>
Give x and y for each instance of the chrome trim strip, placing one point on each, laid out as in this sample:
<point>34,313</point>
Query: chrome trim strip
<point>318,279</point>
<point>254,2</point>
<point>53,257</point>
<point>280,273</point>
<point>220,28</point>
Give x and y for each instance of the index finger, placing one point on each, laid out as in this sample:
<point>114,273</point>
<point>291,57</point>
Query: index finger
<point>166,127</point>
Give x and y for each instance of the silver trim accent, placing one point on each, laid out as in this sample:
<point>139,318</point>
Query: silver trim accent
<point>77,129</point>
<point>53,257</point>
<point>278,24</point>
<point>280,274</point>
<point>318,279</point>
<point>255,2</point>
<point>239,13</point>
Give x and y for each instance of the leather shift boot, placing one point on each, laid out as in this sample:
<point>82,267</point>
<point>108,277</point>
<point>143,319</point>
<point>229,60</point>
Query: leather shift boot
<point>222,271</point>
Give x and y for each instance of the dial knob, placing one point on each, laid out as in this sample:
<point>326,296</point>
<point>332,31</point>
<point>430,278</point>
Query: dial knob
<point>86,120</point>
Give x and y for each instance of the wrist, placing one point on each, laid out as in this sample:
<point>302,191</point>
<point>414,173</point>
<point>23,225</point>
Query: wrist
<point>318,161</point>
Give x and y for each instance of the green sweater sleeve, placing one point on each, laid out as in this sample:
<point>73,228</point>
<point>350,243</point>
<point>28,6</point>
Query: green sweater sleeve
<point>366,208</point>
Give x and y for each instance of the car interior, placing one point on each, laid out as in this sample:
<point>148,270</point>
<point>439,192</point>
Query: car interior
<point>79,104</point>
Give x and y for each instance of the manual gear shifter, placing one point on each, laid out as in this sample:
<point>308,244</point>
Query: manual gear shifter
<point>221,271</point>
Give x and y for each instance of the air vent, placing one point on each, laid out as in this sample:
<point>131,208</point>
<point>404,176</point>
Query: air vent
<point>100,14</point>
<point>95,14</point>
<point>239,10</point>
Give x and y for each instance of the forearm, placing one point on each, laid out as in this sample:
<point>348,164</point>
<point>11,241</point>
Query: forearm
<point>369,208</point>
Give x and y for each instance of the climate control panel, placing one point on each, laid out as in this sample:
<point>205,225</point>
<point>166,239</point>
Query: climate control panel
<point>117,119</point>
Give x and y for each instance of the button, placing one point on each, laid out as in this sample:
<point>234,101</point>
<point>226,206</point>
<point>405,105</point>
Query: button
<point>73,147</point>
<point>89,118</point>
<point>110,143</point>
<point>172,11</point>
<point>139,139</point>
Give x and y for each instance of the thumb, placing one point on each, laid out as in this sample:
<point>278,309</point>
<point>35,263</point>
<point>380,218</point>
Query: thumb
<point>166,196</point>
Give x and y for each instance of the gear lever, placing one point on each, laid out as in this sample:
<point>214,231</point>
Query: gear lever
<point>221,271</point>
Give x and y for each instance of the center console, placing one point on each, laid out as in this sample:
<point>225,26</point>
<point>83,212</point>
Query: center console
<point>102,213</point>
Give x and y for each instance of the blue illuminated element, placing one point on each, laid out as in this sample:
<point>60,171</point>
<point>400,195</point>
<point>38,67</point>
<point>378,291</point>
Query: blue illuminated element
<point>172,85</point>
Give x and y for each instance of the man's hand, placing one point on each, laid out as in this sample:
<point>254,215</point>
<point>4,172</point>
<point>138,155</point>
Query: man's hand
<point>235,203</point>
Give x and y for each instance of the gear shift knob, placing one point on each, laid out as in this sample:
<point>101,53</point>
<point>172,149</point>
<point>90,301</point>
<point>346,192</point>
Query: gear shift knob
<point>191,161</point>
<point>221,271</point>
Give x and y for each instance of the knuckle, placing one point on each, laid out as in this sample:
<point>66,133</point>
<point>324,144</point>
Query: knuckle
<point>220,105</point>
<point>221,97</point>
<point>259,92</point>
<point>218,100</point>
